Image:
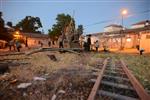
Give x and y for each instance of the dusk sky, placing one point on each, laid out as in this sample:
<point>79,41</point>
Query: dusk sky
<point>87,12</point>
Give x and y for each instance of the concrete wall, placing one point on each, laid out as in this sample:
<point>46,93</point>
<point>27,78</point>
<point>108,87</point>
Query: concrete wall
<point>111,29</point>
<point>137,26</point>
<point>145,41</point>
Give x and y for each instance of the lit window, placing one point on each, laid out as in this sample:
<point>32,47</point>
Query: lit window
<point>128,39</point>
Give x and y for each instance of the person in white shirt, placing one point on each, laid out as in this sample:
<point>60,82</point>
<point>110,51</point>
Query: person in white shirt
<point>97,45</point>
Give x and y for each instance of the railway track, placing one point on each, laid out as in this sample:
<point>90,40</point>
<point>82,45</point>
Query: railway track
<point>115,82</point>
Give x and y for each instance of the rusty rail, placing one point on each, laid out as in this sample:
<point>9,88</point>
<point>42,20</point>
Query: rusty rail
<point>137,86</point>
<point>97,83</point>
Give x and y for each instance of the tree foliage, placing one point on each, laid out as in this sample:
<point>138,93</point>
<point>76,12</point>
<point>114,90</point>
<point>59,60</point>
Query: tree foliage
<point>10,24</point>
<point>4,35</point>
<point>29,24</point>
<point>62,21</point>
<point>80,29</point>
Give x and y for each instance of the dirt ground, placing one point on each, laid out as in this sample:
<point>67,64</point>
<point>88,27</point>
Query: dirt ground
<point>67,78</point>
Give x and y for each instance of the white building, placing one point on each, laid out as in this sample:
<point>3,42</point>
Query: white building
<point>113,27</point>
<point>140,24</point>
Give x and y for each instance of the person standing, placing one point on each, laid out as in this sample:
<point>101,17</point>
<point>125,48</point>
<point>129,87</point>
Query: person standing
<point>49,43</point>
<point>10,44</point>
<point>89,42</point>
<point>18,45</point>
<point>60,41</point>
<point>97,45</point>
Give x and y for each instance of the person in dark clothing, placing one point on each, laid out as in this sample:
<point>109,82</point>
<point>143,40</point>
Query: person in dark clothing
<point>89,42</point>
<point>141,51</point>
<point>60,40</point>
<point>49,43</point>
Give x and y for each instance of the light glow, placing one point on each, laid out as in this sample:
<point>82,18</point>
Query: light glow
<point>124,12</point>
<point>128,39</point>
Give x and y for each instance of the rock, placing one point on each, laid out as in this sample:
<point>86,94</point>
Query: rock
<point>61,92</point>
<point>52,57</point>
<point>24,85</point>
<point>13,81</point>
<point>24,94</point>
<point>39,79</point>
<point>54,97</point>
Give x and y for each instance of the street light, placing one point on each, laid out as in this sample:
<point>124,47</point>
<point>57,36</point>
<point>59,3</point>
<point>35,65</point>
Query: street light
<point>17,35</point>
<point>123,13</point>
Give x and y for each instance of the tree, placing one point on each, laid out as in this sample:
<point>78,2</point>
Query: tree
<point>10,24</point>
<point>80,30</point>
<point>4,35</point>
<point>1,22</point>
<point>29,24</point>
<point>62,21</point>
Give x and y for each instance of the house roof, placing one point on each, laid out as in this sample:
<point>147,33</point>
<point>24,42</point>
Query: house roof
<point>113,25</point>
<point>127,31</point>
<point>35,35</point>
<point>141,22</point>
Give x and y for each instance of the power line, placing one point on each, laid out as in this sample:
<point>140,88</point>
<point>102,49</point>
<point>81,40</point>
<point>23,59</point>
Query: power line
<point>106,21</point>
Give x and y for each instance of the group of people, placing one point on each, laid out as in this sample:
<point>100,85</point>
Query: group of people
<point>87,44</point>
<point>15,44</point>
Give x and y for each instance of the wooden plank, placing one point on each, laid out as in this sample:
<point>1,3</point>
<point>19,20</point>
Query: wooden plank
<point>117,85</point>
<point>97,83</point>
<point>137,86</point>
<point>72,50</point>
<point>115,96</point>
<point>15,53</point>
<point>116,77</point>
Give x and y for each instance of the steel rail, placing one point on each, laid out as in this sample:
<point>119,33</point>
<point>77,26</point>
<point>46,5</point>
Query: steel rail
<point>143,95</point>
<point>98,81</point>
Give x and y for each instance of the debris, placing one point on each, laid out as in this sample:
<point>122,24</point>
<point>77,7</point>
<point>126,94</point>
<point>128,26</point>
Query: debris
<point>54,97</point>
<point>4,68</point>
<point>13,81</point>
<point>61,92</point>
<point>24,94</point>
<point>39,79</point>
<point>52,57</point>
<point>24,85</point>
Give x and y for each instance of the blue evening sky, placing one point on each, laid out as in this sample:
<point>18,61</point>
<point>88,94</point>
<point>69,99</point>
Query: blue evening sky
<point>87,12</point>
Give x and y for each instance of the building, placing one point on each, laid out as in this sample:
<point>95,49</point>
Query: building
<point>2,44</point>
<point>112,28</point>
<point>31,39</point>
<point>145,40</point>
<point>124,39</point>
<point>140,24</point>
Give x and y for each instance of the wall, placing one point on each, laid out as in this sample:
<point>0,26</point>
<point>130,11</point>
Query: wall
<point>145,41</point>
<point>111,29</point>
<point>137,26</point>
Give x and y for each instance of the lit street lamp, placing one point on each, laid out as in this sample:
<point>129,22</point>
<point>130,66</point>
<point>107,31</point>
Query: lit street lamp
<point>17,35</point>
<point>123,13</point>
